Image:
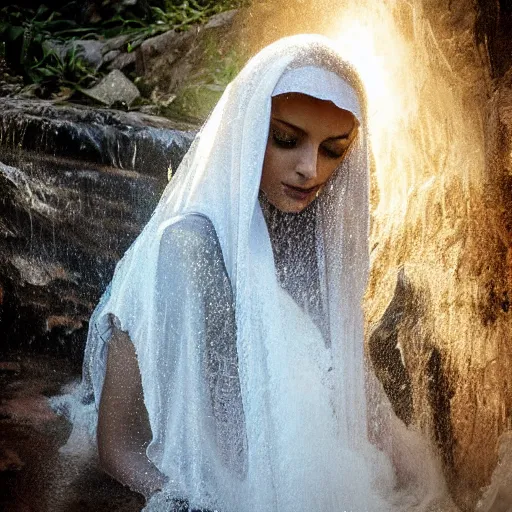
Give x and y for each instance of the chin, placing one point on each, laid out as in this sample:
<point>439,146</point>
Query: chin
<point>292,210</point>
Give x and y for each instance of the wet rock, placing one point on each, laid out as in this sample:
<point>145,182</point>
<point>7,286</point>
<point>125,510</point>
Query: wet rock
<point>72,200</point>
<point>35,473</point>
<point>122,140</point>
<point>29,91</point>
<point>116,43</point>
<point>111,55</point>
<point>456,346</point>
<point>123,60</point>
<point>386,352</point>
<point>10,367</point>
<point>114,88</point>
<point>9,89</point>
<point>10,83</point>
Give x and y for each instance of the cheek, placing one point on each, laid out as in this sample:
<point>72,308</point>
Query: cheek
<point>327,169</point>
<point>279,164</point>
<point>272,167</point>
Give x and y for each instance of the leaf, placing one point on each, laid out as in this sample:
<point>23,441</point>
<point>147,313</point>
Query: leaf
<point>40,11</point>
<point>47,71</point>
<point>14,32</point>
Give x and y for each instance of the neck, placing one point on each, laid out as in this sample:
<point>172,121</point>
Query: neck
<point>293,239</point>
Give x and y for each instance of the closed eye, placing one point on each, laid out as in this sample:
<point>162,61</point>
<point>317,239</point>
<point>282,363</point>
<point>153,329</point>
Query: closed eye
<point>338,151</point>
<point>333,154</point>
<point>283,140</point>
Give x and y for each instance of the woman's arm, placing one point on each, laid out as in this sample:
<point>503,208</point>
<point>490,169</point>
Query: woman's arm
<point>123,424</point>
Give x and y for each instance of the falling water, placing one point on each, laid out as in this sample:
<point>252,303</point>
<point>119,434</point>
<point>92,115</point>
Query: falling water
<point>122,141</point>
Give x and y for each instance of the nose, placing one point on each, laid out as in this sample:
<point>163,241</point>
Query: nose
<point>307,164</point>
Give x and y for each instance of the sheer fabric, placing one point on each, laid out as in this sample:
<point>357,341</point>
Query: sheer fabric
<point>274,416</point>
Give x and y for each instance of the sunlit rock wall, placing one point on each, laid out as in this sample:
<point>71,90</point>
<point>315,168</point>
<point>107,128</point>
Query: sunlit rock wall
<point>438,305</point>
<point>451,254</point>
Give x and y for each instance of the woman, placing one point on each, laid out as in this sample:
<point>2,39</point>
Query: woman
<point>226,358</point>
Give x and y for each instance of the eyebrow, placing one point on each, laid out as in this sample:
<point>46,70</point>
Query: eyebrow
<point>345,136</point>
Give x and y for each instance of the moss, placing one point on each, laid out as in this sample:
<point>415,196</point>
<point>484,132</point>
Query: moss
<point>195,101</point>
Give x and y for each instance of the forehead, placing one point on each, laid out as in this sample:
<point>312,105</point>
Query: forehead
<point>312,114</point>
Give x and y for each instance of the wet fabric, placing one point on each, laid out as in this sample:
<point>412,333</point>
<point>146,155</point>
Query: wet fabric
<point>319,83</point>
<point>252,363</point>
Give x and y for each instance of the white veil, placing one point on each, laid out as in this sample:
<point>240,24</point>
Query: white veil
<point>304,405</point>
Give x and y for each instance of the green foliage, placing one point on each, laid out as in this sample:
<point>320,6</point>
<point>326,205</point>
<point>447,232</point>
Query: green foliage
<point>179,16</point>
<point>70,70</point>
<point>182,15</point>
<point>25,35</point>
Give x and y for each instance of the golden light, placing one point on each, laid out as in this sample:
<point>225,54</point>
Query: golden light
<point>425,127</point>
<point>421,128</point>
<point>368,36</point>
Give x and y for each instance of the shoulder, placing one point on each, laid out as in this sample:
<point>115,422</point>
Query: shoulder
<point>190,240</point>
<point>189,232</point>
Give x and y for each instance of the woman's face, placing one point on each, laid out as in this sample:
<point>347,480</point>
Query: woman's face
<point>308,139</point>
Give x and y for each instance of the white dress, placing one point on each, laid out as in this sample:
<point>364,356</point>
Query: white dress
<point>302,416</point>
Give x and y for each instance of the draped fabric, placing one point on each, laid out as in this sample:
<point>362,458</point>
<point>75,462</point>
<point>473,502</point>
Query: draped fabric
<point>252,370</point>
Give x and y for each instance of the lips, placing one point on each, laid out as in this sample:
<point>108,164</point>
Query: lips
<point>299,193</point>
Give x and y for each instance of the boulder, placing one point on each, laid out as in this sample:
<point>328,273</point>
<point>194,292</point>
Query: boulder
<point>192,67</point>
<point>122,140</point>
<point>122,60</point>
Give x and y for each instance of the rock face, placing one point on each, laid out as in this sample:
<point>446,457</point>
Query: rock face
<point>186,72</point>
<point>76,187</point>
<point>453,249</point>
<point>443,272</point>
